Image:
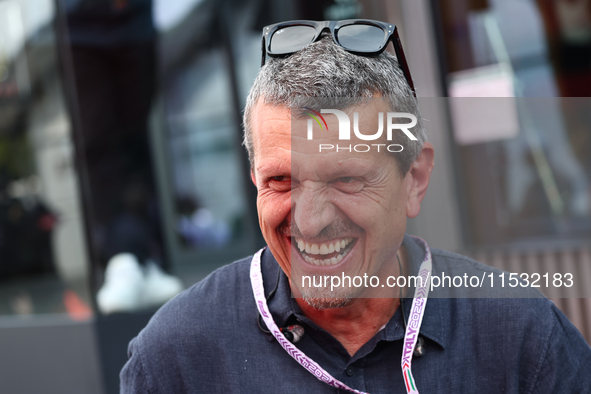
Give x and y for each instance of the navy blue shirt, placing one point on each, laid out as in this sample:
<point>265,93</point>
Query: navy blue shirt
<point>206,340</point>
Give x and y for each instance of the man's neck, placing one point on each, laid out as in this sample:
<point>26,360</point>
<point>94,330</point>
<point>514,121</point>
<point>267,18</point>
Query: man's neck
<point>355,324</point>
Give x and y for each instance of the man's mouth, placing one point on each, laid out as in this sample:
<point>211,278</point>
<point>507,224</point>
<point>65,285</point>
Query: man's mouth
<point>325,253</point>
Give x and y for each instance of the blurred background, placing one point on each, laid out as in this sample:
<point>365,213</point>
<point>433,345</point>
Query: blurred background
<point>123,179</point>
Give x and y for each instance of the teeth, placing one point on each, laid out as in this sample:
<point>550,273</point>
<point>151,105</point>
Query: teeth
<point>323,249</point>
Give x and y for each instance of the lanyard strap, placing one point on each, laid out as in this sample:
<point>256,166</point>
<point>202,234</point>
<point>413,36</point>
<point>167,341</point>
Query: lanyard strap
<point>256,279</point>
<point>415,319</point>
<point>410,337</point>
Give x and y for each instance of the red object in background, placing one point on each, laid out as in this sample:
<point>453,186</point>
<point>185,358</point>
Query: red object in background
<point>120,4</point>
<point>47,222</point>
<point>8,89</point>
<point>76,308</point>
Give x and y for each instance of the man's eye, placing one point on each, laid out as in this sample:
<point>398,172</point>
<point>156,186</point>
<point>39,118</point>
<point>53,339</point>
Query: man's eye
<point>281,183</point>
<point>348,184</point>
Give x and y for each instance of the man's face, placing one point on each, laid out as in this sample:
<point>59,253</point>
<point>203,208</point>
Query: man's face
<point>329,213</point>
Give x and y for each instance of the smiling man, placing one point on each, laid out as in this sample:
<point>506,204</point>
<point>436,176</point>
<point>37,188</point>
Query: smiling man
<point>340,300</point>
<point>338,214</point>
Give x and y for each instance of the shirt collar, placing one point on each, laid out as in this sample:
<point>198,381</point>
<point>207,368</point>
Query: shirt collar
<point>435,326</point>
<point>280,305</point>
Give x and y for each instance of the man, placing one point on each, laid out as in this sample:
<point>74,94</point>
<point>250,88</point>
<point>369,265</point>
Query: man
<point>334,205</point>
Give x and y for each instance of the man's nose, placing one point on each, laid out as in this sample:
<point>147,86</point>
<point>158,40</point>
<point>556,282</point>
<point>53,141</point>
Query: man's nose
<point>312,211</point>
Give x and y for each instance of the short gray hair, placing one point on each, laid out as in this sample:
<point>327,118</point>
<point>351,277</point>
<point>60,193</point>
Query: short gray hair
<point>324,70</point>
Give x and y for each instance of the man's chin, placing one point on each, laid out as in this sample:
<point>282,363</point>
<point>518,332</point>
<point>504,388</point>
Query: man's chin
<point>327,303</point>
<point>322,300</point>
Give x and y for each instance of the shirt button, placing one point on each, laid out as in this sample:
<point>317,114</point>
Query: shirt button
<point>350,371</point>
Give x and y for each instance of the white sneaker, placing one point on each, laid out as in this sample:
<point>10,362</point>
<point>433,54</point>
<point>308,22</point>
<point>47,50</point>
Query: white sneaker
<point>123,285</point>
<point>158,286</point>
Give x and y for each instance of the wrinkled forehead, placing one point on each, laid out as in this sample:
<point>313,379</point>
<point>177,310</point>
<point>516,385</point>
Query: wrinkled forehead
<point>316,119</point>
<point>313,140</point>
<point>320,149</point>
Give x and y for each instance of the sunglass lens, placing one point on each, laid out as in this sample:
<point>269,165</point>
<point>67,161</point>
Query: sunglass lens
<point>361,38</point>
<point>291,39</point>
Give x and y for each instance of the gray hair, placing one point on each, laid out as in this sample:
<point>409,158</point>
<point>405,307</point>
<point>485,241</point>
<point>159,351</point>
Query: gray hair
<point>324,70</point>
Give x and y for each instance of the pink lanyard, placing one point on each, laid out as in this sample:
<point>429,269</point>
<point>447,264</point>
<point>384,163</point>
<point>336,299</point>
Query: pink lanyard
<point>410,337</point>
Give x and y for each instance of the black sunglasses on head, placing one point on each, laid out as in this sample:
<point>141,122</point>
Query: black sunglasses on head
<point>364,37</point>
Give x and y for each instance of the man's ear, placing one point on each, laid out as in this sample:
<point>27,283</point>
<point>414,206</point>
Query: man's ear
<point>419,175</point>
<point>253,178</point>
